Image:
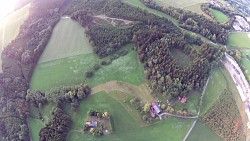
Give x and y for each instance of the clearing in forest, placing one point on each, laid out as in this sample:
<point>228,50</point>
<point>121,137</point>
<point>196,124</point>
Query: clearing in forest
<point>9,27</point>
<point>68,39</point>
<point>219,16</point>
<point>181,58</point>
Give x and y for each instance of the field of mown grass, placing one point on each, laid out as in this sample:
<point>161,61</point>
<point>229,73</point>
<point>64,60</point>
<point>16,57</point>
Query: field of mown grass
<point>178,3</point>
<point>9,27</point>
<point>196,8</point>
<point>201,132</point>
<point>219,16</point>
<point>215,87</point>
<point>125,122</point>
<point>238,40</point>
<point>68,39</point>
<point>126,68</point>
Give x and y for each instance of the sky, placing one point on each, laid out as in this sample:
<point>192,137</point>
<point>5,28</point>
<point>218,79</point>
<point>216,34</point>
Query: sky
<point>6,7</point>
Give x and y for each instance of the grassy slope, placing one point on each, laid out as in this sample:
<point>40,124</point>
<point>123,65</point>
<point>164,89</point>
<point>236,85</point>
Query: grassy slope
<point>238,40</point>
<point>125,122</point>
<point>219,16</point>
<point>201,132</point>
<point>9,27</point>
<point>215,87</point>
<point>68,71</point>
<point>126,68</point>
<point>68,39</point>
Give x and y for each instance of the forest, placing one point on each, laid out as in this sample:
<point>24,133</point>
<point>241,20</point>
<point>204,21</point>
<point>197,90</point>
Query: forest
<point>224,118</point>
<point>153,36</point>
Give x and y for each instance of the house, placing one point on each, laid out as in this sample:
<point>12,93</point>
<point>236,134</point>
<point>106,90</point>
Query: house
<point>156,108</point>
<point>91,123</point>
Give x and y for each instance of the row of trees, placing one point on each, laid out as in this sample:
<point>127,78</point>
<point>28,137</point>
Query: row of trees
<point>63,94</point>
<point>224,118</point>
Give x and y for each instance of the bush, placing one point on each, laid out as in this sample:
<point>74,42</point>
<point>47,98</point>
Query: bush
<point>89,74</point>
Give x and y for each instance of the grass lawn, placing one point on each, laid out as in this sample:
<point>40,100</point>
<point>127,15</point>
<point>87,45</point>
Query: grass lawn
<point>215,87</point>
<point>68,39</point>
<point>201,132</point>
<point>181,58</point>
<point>139,4</point>
<point>67,71</point>
<point>219,16</point>
<point>126,68</point>
<point>9,27</point>
<point>35,125</point>
<point>239,40</point>
<point>125,122</point>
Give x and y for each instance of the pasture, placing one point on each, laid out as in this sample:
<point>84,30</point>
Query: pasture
<point>67,71</point>
<point>178,3</point>
<point>68,39</point>
<point>201,132</point>
<point>125,122</point>
<point>219,16</point>
<point>240,39</point>
<point>126,68</point>
<point>9,27</point>
<point>215,87</point>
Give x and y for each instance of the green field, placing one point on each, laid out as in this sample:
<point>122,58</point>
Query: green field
<point>246,61</point>
<point>68,39</point>
<point>125,122</point>
<point>219,16</point>
<point>126,68</point>
<point>215,87</point>
<point>68,71</point>
<point>239,40</point>
<point>201,132</point>
<point>196,8</point>
<point>9,27</point>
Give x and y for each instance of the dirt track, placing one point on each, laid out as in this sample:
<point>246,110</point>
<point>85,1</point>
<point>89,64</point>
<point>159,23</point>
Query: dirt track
<point>142,91</point>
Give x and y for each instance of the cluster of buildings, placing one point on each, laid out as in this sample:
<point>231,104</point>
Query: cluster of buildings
<point>241,24</point>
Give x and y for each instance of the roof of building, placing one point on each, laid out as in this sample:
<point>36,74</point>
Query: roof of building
<point>91,123</point>
<point>156,108</point>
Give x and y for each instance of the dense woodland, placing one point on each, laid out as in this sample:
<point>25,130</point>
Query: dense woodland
<point>153,36</point>
<point>58,128</point>
<point>224,118</point>
<point>19,59</point>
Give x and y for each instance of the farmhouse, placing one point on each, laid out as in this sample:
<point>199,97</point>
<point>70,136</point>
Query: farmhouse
<point>91,123</point>
<point>155,109</point>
